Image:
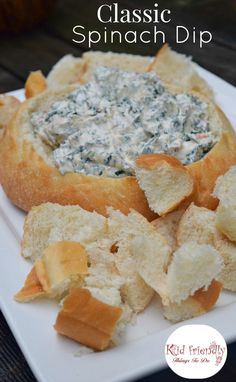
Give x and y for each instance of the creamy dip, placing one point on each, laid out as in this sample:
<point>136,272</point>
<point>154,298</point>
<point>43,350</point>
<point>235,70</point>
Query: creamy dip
<point>101,127</point>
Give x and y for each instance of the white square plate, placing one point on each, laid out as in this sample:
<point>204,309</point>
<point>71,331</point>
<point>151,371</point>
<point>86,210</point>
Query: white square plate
<point>52,357</point>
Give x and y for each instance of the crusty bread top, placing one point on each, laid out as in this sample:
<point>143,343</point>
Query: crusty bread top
<point>151,161</point>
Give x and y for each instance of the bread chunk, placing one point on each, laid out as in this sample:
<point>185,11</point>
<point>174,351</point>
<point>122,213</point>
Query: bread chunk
<point>63,265</point>
<point>197,224</point>
<point>201,302</point>
<point>190,259</point>
<point>87,320</point>
<point>227,249</point>
<point>50,223</point>
<point>164,180</point>
<point>167,226</point>
<point>225,191</point>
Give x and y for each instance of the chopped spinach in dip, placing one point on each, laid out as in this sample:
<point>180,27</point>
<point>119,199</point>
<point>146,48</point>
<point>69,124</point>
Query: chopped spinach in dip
<point>101,127</point>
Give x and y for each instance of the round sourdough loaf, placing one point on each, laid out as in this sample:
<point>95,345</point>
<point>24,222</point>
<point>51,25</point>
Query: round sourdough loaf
<point>29,176</point>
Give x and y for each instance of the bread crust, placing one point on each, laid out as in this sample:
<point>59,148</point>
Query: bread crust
<point>87,320</point>
<point>215,163</point>
<point>155,161</point>
<point>29,180</point>
<point>35,84</point>
<point>151,161</point>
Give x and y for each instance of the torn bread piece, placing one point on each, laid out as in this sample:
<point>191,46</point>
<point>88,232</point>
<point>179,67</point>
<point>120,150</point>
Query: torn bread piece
<point>63,265</point>
<point>87,319</point>
<point>176,69</point>
<point>164,180</point>
<point>49,223</point>
<point>32,288</point>
<point>167,226</point>
<point>227,249</point>
<point>201,302</point>
<point>66,71</point>
<point>190,259</point>
<point>122,229</point>
<point>225,191</point>
<point>8,107</point>
<point>35,84</point>
<point>197,224</point>
<point>176,284</point>
<point>112,296</point>
<point>151,256</point>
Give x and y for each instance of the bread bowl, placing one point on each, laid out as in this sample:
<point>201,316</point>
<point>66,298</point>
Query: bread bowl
<point>30,177</point>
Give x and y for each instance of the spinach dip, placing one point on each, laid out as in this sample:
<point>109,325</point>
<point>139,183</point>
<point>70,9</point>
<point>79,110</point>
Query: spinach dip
<point>102,126</point>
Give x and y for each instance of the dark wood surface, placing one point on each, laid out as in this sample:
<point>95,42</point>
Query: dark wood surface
<point>43,46</point>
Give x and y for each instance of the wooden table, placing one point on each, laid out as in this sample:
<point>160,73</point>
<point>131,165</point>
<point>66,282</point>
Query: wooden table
<point>41,48</point>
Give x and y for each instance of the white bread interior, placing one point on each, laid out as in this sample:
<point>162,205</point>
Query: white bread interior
<point>128,260</point>
<point>225,191</point>
<point>176,283</point>
<point>173,68</point>
<point>227,249</point>
<point>190,259</point>
<point>63,265</point>
<point>49,223</point>
<point>164,180</point>
<point>201,302</point>
<point>167,226</point>
<point>176,69</point>
<point>197,224</point>
<point>122,230</point>
<point>65,72</point>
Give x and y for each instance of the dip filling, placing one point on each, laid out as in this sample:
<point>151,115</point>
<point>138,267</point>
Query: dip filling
<point>101,128</point>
